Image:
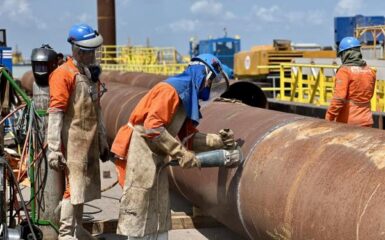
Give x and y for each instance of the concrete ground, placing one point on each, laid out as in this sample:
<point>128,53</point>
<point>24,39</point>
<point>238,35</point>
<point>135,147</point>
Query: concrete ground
<point>100,216</point>
<point>191,234</point>
<point>106,210</point>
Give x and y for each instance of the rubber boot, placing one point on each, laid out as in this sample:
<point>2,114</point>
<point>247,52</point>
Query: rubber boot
<point>80,232</point>
<point>67,221</point>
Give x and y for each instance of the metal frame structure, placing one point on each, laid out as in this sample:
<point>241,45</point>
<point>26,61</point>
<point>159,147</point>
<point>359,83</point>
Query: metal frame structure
<point>163,61</point>
<point>313,84</point>
<point>31,151</point>
<point>376,32</point>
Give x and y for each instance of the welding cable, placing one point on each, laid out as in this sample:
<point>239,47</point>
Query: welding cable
<point>40,191</point>
<point>18,144</point>
<point>10,172</point>
<point>29,139</point>
<point>22,157</point>
<point>39,194</point>
<point>11,113</point>
<point>111,186</point>
<point>98,210</point>
<point>11,198</point>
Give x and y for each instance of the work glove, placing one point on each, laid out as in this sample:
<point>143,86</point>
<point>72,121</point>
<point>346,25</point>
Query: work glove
<point>188,160</point>
<point>55,157</point>
<point>57,161</point>
<point>172,147</point>
<point>104,148</point>
<point>203,142</point>
<point>227,136</point>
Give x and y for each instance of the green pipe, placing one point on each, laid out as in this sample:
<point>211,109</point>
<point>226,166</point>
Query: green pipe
<point>16,87</point>
<point>31,166</point>
<point>48,223</point>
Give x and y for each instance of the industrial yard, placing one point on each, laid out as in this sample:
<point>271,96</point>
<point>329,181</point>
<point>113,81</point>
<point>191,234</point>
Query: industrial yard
<point>226,138</point>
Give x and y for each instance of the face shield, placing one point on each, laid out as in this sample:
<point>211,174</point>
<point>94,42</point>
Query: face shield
<point>219,82</point>
<point>211,79</point>
<point>40,72</point>
<point>84,57</point>
<point>40,67</point>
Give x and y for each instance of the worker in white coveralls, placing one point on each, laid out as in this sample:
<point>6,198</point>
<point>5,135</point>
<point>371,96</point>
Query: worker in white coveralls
<point>169,110</point>
<point>76,133</point>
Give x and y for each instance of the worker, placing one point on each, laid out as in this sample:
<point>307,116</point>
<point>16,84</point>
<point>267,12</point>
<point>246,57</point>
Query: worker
<point>60,59</point>
<point>44,62</point>
<point>75,126</point>
<point>169,110</point>
<point>354,87</point>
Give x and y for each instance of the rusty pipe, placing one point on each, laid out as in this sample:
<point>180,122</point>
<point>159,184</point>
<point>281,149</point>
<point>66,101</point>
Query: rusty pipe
<point>27,81</point>
<point>303,178</point>
<point>125,88</point>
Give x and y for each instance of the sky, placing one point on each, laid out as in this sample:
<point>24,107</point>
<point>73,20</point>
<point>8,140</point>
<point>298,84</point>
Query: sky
<point>171,23</point>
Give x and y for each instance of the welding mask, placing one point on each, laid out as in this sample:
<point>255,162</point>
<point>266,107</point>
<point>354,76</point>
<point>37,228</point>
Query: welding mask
<point>44,62</point>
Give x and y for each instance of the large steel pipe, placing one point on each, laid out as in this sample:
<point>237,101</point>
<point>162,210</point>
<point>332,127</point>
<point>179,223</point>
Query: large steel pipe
<point>124,90</point>
<point>302,178</point>
<point>27,81</point>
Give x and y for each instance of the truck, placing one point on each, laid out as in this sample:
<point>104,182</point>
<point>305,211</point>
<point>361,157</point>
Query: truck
<point>223,48</point>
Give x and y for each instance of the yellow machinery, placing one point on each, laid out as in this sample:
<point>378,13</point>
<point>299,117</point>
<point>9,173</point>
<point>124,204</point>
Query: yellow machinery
<point>247,63</point>
<point>313,84</point>
<point>164,61</point>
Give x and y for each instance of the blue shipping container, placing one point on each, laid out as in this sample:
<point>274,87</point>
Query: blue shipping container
<point>6,57</point>
<point>345,26</point>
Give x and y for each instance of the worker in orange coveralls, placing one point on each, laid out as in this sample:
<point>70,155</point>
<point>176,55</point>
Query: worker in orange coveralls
<point>76,134</point>
<point>354,87</point>
<point>168,110</point>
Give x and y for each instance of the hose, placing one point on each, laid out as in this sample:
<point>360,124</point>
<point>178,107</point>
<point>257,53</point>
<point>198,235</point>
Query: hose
<point>31,135</point>
<point>111,186</point>
<point>10,172</point>
<point>11,113</point>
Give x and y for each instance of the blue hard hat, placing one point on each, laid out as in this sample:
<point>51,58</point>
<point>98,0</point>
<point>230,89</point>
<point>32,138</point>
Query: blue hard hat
<point>211,61</point>
<point>348,43</point>
<point>85,37</point>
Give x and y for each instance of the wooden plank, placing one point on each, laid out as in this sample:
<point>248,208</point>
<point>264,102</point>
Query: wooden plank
<point>179,220</point>
<point>182,221</point>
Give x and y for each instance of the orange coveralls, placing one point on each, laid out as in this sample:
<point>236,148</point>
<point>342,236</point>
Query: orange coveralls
<point>353,91</point>
<point>155,109</point>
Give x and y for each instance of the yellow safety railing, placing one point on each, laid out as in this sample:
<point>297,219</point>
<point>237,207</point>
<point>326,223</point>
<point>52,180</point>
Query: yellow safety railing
<point>313,84</point>
<point>165,61</point>
<point>166,69</point>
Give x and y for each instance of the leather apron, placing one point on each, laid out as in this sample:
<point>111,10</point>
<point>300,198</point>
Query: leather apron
<point>81,143</point>
<point>145,203</point>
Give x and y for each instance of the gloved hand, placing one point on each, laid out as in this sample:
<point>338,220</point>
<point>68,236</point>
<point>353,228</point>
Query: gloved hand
<point>227,136</point>
<point>188,160</point>
<point>57,161</point>
<point>203,142</point>
<point>55,157</point>
<point>170,146</point>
